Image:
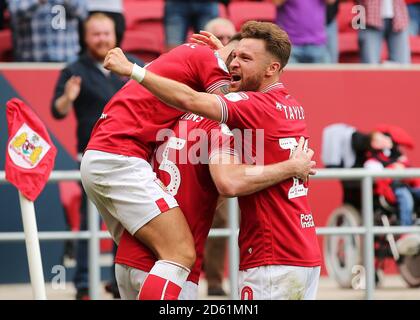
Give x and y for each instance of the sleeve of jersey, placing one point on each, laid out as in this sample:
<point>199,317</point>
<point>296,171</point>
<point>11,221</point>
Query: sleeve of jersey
<point>240,110</point>
<point>212,70</point>
<point>221,141</point>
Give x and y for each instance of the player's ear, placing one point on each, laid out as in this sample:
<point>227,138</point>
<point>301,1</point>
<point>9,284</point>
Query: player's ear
<point>273,68</point>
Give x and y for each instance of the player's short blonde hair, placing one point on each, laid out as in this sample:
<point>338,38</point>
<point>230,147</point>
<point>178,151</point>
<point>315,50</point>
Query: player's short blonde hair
<point>276,40</point>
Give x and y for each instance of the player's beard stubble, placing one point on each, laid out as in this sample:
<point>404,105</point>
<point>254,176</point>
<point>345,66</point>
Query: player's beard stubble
<point>251,83</point>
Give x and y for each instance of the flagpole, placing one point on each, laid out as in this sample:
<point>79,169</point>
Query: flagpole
<point>32,248</point>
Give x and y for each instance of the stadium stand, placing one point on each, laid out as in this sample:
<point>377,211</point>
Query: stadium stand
<point>143,45</point>
<point>144,36</point>
<point>415,49</point>
<point>138,13</point>
<point>223,11</point>
<point>240,12</point>
<point>347,36</point>
<point>6,46</point>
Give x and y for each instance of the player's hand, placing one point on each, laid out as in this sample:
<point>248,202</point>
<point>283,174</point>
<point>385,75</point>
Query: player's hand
<point>117,62</point>
<point>206,38</point>
<point>72,88</point>
<point>305,166</point>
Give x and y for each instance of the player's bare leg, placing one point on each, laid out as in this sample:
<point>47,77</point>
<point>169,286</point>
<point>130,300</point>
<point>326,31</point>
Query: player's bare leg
<point>169,237</point>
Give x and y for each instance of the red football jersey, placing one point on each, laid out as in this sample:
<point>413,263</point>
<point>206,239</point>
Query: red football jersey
<point>276,226</point>
<point>133,117</point>
<point>181,164</point>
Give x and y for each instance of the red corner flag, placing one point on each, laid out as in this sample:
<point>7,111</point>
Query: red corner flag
<point>30,153</point>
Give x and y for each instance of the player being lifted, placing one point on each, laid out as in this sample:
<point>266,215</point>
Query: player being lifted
<point>119,180</point>
<point>212,168</point>
<point>277,237</point>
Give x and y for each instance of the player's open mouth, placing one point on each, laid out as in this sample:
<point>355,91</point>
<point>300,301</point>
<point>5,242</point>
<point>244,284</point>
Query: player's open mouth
<point>236,78</point>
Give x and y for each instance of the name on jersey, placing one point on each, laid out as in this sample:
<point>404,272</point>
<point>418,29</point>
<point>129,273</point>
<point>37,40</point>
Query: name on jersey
<point>291,112</point>
<point>306,220</point>
<point>192,117</point>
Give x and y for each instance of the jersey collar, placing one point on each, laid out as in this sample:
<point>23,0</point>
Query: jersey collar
<point>276,85</point>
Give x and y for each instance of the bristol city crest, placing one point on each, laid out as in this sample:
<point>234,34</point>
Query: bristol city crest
<point>27,148</point>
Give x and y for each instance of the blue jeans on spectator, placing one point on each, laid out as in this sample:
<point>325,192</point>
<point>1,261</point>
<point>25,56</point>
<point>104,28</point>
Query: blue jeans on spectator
<point>180,15</point>
<point>406,197</point>
<point>309,53</point>
<point>370,42</point>
<point>332,41</point>
<point>414,12</point>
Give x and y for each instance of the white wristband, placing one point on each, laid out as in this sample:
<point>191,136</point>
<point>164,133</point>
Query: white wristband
<point>138,73</point>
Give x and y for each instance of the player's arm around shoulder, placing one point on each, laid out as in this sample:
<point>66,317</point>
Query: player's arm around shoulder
<point>171,92</point>
<point>233,179</point>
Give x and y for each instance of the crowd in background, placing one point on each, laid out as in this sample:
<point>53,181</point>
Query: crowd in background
<point>41,32</point>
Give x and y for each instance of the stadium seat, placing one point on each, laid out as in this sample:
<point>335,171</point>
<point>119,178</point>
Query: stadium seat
<point>348,47</point>
<point>139,12</point>
<point>145,35</point>
<point>415,49</point>
<point>70,197</point>
<point>345,17</point>
<point>240,12</point>
<point>144,45</point>
<point>6,46</point>
<point>223,11</point>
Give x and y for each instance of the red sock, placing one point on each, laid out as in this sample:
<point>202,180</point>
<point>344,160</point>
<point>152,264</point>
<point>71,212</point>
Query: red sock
<point>164,281</point>
<point>157,288</point>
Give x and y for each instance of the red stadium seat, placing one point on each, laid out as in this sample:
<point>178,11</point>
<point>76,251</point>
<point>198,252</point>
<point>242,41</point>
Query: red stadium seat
<point>349,51</point>
<point>415,49</point>
<point>144,45</point>
<point>71,197</point>
<point>240,12</point>
<point>348,47</point>
<point>345,17</point>
<point>139,12</point>
<point>6,45</point>
<point>145,35</point>
<point>223,11</point>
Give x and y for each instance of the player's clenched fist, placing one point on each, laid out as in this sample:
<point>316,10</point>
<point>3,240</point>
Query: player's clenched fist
<point>303,158</point>
<point>117,62</point>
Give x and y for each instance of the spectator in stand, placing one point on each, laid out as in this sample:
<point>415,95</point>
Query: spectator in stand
<point>386,19</point>
<point>112,8</point>
<point>332,31</point>
<point>87,86</point>
<point>46,30</point>
<point>222,28</point>
<point>414,12</point>
<point>304,21</point>
<point>180,15</point>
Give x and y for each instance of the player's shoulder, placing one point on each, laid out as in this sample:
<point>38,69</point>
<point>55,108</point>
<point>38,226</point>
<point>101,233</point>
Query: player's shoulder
<point>252,99</point>
<point>279,93</point>
<point>193,49</point>
<point>239,96</point>
<point>195,121</point>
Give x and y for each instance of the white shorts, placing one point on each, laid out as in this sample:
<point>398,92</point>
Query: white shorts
<point>279,282</point>
<point>124,189</point>
<point>130,280</point>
